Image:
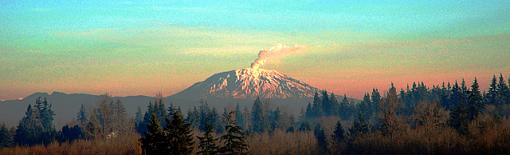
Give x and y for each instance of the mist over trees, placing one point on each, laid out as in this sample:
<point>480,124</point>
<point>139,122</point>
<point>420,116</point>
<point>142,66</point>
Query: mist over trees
<point>449,118</point>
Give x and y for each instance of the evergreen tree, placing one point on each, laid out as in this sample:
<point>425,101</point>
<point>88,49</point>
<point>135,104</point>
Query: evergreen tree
<point>459,115</point>
<point>207,142</point>
<point>171,111</point>
<point>240,117</point>
<point>459,118</point>
<point>36,127</point>
<point>365,105</point>
<point>407,103</point>
<point>215,120</point>
<point>82,116</point>
<point>508,92</point>
<point>257,117</point>
<point>119,117</point>
<point>359,127</point>
<point>420,94</point>
<point>203,116</point>
<point>46,115</point>
<point>147,117</point>
<point>234,141</point>
<point>345,108</point>
<point>6,139</point>
<point>326,107</point>
<point>503,96</point>
<point>444,95</point>
<point>161,110</point>
<point>179,136</point>
<point>320,136</point>
<point>153,141</point>
<point>339,133</point>
<point>389,120</point>
<point>193,118</point>
<point>376,99</point>
<point>309,111</point>
<point>457,96</point>
<point>139,120</point>
<point>334,105</point>
<point>407,98</point>
<point>463,88</point>
<point>224,121</point>
<point>29,130</point>
<point>475,101</point>
<point>316,106</point>
<point>492,95</point>
<point>275,119</point>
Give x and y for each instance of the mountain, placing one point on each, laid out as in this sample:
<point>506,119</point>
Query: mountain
<point>250,83</point>
<point>66,106</point>
<point>243,86</point>
<point>221,90</point>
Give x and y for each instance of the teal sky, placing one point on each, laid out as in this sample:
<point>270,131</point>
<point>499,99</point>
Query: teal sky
<point>143,47</point>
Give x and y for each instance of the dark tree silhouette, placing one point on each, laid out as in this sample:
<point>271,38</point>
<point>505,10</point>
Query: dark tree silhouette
<point>240,119</point>
<point>316,106</point>
<point>257,117</point>
<point>339,133</point>
<point>388,113</point>
<point>320,136</point>
<point>475,101</point>
<point>275,119</point>
<point>70,133</point>
<point>492,94</point>
<point>6,139</point>
<point>234,141</point>
<point>326,107</point>
<point>208,143</point>
<point>503,96</point>
<point>153,141</point>
<point>345,108</point>
<point>459,117</point>
<point>139,124</point>
<point>376,99</point>
<point>82,116</point>
<point>36,127</point>
<point>359,127</point>
<point>179,136</point>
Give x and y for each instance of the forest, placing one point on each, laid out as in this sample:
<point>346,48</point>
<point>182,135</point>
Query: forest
<point>449,118</point>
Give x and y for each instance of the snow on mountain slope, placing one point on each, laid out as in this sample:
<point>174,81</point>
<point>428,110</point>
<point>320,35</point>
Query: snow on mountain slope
<point>248,83</point>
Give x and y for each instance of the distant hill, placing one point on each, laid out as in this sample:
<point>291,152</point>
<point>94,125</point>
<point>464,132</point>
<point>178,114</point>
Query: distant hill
<point>66,106</point>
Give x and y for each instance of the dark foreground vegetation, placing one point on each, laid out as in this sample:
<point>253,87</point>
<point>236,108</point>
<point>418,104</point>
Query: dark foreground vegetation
<point>451,118</point>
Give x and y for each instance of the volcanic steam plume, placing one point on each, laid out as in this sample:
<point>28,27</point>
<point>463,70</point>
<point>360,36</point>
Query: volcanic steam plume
<point>274,53</point>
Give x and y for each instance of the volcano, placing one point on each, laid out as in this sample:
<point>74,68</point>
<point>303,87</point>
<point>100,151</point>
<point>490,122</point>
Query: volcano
<point>238,86</point>
<point>250,83</point>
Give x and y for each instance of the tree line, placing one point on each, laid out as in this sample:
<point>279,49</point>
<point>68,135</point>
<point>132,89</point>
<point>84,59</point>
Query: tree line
<point>177,137</point>
<point>388,115</point>
<point>466,109</point>
<point>107,119</point>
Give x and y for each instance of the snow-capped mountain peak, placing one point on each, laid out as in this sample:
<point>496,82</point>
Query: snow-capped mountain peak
<point>248,82</point>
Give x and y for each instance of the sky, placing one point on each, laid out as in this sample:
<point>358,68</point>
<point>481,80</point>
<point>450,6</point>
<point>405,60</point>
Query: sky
<point>146,47</point>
